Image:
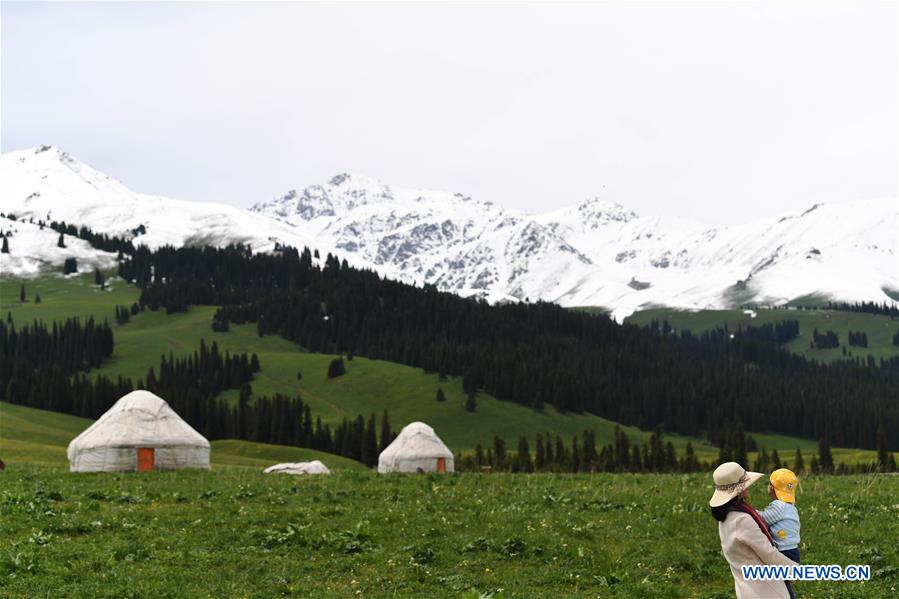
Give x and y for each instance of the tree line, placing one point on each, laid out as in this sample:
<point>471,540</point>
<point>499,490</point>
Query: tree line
<point>884,308</point>
<point>536,354</point>
<point>827,340</point>
<point>582,454</point>
<point>858,339</point>
<point>779,333</point>
<point>46,368</point>
<point>99,241</point>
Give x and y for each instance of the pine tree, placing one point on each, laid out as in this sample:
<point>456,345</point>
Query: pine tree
<point>370,443</point>
<point>761,461</point>
<point>775,461</point>
<point>798,462</point>
<point>575,455</point>
<point>670,457</point>
<point>62,241</point>
<point>883,455</point>
<point>70,266</point>
<point>739,445</point>
<point>691,464</point>
<point>590,456</point>
<point>440,395</point>
<point>22,294</point>
<point>243,411</point>
<point>5,249</point>
<point>386,434</point>
<point>336,368</point>
<point>499,452</point>
<point>725,454</point>
<point>825,459</point>
<point>540,454</point>
<point>37,297</point>
<point>524,455</point>
<point>471,403</point>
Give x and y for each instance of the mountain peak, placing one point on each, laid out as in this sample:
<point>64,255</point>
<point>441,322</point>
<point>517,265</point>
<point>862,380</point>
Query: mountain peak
<point>50,164</point>
<point>597,211</point>
<point>354,180</point>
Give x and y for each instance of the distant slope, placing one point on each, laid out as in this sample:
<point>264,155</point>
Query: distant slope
<point>30,435</point>
<point>370,386</point>
<point>37,436</point>
<point>880,329</point>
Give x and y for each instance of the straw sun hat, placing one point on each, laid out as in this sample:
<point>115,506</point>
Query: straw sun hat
<point>730,480</point>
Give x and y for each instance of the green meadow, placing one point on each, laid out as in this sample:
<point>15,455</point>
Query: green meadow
<point>880,329</point>
<point>234,532</point>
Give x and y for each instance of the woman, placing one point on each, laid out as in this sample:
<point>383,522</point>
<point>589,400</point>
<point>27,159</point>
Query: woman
<point>745,539</point>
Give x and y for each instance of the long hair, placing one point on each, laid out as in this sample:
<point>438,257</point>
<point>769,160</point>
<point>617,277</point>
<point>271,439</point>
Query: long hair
<point>719,513</point>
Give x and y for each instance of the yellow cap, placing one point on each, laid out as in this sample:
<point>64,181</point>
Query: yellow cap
<point>784,482</point>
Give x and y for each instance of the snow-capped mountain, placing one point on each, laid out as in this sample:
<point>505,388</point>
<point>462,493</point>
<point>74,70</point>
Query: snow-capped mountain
<point>599,252</point>
<point>595,253</point>
<point>47,184</point>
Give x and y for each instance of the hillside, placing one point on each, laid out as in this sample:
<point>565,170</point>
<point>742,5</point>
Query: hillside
<point>879,329</point>
<point>370,386</point>
<point>593,252</point>
<point>30,436</point>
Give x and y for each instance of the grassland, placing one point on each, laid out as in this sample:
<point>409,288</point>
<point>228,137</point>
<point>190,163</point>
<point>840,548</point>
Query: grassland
<point>235,532</point>
<point>880,329</point>
<point>370,386</point>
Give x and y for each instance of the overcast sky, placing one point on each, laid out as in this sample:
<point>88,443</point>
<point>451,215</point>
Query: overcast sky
<point>716,111</point>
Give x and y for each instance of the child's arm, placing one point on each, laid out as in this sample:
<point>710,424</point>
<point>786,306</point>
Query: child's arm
<point>773,513</point>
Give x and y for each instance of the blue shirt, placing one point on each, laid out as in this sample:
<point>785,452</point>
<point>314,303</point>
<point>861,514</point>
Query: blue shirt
<point>783,520</point>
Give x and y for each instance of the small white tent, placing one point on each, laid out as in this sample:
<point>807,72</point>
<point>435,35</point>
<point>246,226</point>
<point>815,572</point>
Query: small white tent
<point>313,467</point>
<point>140,432</point>
<point>417,448</point>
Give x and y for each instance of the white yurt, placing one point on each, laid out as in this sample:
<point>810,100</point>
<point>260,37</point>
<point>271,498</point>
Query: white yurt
<point>313,467</point>
<point>140,432</point>
<point>416,449</point>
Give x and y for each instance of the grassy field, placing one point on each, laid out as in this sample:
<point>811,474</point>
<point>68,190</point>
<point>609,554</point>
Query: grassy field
<point>234,532</point>
<point>880,329</point>
<point>237,533</point>
<point>370,386</point>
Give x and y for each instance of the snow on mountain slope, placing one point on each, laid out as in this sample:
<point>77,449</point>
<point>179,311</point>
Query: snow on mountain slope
<point>599,252</point>
<point>595,253</point>
<point>32,249</point>
<point>846,251</point>
<point>47,184</point>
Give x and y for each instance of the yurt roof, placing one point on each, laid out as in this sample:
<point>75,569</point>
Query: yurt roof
<point>313,467</point>
<point>417,439</point>
<point>139,419</point>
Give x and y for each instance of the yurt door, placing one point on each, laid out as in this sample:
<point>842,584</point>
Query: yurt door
<point>441,464</point>
<point>145,459</point>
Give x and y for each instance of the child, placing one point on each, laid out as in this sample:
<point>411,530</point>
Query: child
<point>781,515</point>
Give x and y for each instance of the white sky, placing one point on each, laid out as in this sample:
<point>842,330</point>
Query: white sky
<point>716,111</point>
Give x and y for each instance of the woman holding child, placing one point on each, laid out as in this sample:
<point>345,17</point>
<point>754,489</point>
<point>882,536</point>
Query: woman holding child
<point>745,536</point>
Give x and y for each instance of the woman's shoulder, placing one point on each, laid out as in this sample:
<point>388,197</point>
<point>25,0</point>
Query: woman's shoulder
<point>735,518</point>
<point>737,515</point>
